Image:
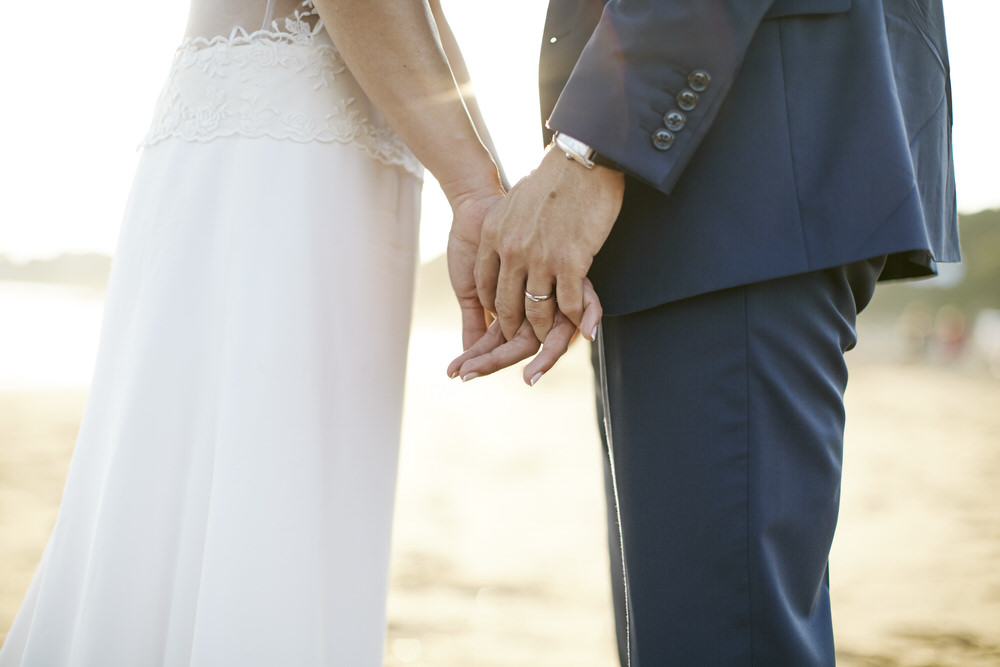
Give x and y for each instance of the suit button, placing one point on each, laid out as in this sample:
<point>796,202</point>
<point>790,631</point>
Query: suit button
<point>699,80</point>
<point>674,120</point>
<point>663,139</point>
<point>687,100</point>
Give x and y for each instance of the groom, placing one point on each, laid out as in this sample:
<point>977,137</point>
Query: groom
<point>733,176</point>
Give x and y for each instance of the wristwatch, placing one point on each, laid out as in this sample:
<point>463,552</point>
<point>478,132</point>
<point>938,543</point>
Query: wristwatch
<point>575,149</point>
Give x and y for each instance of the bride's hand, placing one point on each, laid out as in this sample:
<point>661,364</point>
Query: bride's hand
<point>492,352</point>
<point>463,245</point>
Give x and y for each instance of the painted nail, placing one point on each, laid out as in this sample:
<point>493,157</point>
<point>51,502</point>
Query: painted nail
<point>470,376</point>
<point>454,375</point>
<point>535,378</point>
<point>593,334</point>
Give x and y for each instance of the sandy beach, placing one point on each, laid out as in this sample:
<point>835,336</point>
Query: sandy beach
<point>499,557</point>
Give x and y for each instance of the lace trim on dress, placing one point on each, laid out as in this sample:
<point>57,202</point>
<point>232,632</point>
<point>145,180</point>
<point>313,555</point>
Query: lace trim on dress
<point>287,82</point>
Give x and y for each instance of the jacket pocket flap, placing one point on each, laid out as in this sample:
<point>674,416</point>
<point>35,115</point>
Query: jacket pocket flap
<point>785,8</point>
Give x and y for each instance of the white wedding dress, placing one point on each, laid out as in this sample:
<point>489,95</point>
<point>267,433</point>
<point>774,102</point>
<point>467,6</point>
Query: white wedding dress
<point>230,497</point>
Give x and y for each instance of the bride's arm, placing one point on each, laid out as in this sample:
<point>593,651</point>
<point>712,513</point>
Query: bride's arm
<point>464,80</point>
<point>393,49</point>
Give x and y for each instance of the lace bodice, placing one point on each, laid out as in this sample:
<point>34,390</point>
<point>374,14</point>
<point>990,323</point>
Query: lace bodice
<point>285,80</point>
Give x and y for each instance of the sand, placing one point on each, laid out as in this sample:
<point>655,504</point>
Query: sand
<point>499,556</point>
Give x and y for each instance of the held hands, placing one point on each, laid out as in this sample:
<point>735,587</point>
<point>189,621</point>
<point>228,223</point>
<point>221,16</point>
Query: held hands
<point>540,239</point>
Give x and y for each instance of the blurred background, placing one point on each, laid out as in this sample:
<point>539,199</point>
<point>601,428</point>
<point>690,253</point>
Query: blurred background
<point>499,557</point>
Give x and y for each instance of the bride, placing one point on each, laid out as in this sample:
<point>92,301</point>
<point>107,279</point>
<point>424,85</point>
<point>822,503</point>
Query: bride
<point>230,496</point>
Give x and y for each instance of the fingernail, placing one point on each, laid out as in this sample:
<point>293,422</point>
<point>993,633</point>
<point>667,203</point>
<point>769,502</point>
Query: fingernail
<point>593,334</point>
<point>470,376</point>
<point>535,378</point>
<point>454,375</point>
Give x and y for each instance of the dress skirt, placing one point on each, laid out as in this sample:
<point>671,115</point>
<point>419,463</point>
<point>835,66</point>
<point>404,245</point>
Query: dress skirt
<point>230,496</point>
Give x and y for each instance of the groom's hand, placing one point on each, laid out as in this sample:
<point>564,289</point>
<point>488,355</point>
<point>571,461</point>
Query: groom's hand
<point>541,239</point>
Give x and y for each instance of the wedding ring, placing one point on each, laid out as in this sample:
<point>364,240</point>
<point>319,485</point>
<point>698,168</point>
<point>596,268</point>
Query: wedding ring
<point>537,297</point>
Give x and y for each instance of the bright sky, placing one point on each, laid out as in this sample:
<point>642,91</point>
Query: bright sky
<point>78,96</point>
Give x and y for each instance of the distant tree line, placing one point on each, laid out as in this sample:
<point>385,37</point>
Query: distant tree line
<point>979,287</point>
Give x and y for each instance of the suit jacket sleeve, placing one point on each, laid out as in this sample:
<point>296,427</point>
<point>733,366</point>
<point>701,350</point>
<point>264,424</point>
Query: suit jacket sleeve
<point>650,58</point>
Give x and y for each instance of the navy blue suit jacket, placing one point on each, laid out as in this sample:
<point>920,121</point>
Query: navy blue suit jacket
<point>822,137</point>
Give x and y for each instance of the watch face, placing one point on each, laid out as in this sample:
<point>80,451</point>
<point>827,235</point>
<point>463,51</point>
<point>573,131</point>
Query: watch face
<point>575,150</point>
<point>575,147</point>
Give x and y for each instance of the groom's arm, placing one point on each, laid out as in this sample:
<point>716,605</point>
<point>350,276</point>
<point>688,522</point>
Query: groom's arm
<point>652,77</point>
<point>643,94</point>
